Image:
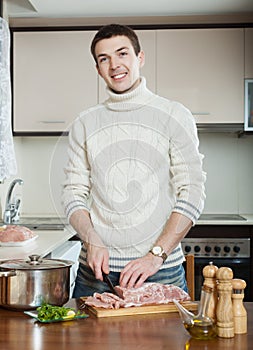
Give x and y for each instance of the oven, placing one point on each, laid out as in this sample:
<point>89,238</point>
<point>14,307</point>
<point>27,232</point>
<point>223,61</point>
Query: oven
<point>229,252</point>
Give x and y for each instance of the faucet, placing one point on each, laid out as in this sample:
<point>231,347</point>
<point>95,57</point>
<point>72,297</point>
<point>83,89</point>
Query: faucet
<point>11,212</point>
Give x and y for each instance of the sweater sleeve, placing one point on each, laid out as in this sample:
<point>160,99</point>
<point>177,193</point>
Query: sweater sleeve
<point>76,186</point>
<point>188,178</point>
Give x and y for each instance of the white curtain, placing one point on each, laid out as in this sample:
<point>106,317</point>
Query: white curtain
<point>8,166</point>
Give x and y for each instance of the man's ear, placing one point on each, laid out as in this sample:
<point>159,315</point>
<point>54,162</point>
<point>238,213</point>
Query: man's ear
<point>98,70</point>
<point>141,57</point>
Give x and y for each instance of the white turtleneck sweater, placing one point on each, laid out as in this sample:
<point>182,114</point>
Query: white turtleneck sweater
<point>132,161</point>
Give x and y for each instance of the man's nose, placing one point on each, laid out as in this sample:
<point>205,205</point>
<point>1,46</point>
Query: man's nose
<point>114,63</point>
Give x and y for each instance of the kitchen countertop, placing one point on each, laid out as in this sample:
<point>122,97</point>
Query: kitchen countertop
<point>225,219</point>
<point>46,242</point>
<point>50,239</point>
<point>141,332</point>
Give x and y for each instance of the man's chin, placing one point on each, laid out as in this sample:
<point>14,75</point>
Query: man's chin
<point>123,90</point>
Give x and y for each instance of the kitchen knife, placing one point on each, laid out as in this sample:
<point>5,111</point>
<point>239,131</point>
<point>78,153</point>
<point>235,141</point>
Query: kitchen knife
<point>111,286</point>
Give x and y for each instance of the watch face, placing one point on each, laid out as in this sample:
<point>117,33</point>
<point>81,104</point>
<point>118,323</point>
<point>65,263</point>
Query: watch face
<point>157,250</point>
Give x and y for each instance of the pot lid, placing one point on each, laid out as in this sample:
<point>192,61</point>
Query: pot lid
<point>35,262</point>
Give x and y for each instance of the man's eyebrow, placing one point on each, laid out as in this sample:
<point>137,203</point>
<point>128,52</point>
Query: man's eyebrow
<point>118,50</point>
<point>122,48</point>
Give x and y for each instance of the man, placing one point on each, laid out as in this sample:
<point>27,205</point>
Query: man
<point>134,181</point>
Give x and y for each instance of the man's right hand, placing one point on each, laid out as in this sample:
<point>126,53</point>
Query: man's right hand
<point>98,260</point>
<point>97,253</point>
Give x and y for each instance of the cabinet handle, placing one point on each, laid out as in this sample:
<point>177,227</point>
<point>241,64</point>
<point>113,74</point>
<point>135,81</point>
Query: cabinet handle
<point>52,121</point>
<point>200,113</point>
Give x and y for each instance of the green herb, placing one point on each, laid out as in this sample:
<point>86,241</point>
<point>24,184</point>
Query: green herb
<point>47,312</point>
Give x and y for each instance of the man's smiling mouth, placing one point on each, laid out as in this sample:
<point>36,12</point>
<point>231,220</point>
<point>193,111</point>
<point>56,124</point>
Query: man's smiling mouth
<point>119,76</point>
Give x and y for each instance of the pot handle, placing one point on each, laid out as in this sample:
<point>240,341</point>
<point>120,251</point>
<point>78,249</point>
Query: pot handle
<point>8,273</point>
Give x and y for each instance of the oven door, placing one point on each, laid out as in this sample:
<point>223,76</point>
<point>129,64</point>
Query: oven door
<point>240,267</point>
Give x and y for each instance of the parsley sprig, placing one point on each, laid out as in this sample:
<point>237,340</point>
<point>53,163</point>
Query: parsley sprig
<point>47,312</point>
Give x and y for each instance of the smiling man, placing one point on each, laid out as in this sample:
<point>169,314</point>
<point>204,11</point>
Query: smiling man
<point>134,180</point>
<point>118,64</point>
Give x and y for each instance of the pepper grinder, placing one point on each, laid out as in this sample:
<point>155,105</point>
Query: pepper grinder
<point>209,273</point>
<point>239,311</point>
<point>224,311</point>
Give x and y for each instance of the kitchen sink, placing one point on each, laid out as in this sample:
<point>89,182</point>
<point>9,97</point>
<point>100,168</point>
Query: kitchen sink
<point>42,223</point>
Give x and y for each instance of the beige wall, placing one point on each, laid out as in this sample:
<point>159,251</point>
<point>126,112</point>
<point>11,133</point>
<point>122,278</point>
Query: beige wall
<point>228,163</point>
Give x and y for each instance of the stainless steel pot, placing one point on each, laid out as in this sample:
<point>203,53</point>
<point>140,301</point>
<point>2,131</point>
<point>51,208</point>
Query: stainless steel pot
<point>26,284</point>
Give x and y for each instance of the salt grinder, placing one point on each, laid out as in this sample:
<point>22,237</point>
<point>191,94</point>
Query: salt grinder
<point>209,273</point>
<point>224,311</point>
<point>239,311</point>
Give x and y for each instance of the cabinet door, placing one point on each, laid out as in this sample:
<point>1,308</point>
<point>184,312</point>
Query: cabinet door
<point>148,44</point>
<point>203,69</point>
<point>54,79</point>
<point>249,53</point>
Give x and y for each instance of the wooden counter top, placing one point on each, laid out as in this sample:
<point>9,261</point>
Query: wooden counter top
<point>150,332</point>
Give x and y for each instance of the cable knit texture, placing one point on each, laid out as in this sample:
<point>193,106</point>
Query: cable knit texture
<point>132,161</point>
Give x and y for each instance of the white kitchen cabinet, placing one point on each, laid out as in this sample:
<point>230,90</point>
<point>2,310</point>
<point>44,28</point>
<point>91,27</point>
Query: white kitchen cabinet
<point>249,53</point>
<point>148,44</point>
<point>53,79</point>
<point>204,70</point>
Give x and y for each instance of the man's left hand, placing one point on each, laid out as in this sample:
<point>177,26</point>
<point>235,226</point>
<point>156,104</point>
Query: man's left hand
<point>137,271</point>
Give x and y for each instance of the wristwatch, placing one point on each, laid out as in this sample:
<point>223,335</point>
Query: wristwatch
<point>158,251</point>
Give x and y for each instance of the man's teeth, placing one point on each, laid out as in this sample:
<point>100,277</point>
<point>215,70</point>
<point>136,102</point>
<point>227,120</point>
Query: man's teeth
<point>119,76</point>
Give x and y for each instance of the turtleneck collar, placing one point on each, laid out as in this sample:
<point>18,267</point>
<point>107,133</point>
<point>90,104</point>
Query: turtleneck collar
<point>134,99</point>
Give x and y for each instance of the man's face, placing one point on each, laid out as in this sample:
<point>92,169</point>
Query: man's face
<point>118,64</point>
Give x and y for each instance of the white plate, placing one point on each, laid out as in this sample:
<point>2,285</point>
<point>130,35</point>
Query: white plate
<point>18,244</point>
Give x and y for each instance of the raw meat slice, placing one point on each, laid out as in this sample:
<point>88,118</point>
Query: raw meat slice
<point>148,294</point>
<point>15,233</point>
<point>105,300</point>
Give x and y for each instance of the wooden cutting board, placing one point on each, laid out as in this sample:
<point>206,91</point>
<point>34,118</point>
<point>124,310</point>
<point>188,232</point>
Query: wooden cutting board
<point>140,310</point>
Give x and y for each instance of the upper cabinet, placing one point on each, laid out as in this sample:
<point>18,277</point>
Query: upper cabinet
<point>249,53</point>
<point>54,79</point>
<point>147,40</point>
<point>54,74</point>
<point>204,70</point>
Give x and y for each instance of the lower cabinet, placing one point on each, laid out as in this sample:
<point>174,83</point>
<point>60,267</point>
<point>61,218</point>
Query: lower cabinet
<point>69,250</point>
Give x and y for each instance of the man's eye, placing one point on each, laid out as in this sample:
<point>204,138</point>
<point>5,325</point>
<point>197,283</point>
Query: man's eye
<point>102,59</point>
<point>123,53</point>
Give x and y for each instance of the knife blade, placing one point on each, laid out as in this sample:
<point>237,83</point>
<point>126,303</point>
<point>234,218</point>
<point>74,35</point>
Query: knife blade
<point>110,284</point>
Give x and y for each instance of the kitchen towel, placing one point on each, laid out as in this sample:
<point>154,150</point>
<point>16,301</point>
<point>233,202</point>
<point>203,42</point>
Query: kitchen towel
<point>8,164</point>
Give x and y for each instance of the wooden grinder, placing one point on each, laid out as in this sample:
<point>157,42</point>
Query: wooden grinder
<point>209,273</point>
<point>224,311</point>
<point>240,314</point>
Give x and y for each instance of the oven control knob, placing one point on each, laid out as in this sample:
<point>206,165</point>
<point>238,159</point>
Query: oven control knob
<point>187,248</point>
<point>197,248</point>
<point>217,249</point>
<point>208,248</point>
<point>226,249</point>
<point>236,249</point>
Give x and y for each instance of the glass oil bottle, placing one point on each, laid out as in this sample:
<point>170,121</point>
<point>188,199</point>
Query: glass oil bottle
<point>199,326</point>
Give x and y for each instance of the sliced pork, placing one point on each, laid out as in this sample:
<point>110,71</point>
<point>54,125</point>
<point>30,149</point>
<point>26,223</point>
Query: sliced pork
<point>15,233</point>
<point>148,294</point>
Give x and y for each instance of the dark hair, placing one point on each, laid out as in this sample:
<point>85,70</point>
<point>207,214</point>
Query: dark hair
<point>111,30</point>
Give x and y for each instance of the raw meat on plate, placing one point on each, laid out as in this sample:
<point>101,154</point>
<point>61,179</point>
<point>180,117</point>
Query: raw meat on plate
<point>15,233</point>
